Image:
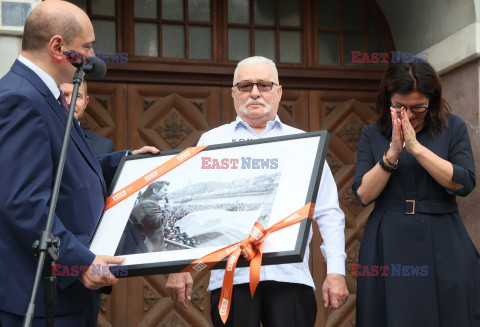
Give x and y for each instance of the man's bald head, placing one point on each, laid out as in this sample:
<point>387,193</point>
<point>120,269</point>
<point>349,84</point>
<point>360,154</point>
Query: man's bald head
<point>51,18</point>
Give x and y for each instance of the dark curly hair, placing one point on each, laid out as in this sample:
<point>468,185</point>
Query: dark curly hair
<point>149,191</point>
<point>406,78</point>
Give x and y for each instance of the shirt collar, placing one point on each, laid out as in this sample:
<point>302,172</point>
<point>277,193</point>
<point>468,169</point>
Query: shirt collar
<point>47,79</point>
<point>272,123</point>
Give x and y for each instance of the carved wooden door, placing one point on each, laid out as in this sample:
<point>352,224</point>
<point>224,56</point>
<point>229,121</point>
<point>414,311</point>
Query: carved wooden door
<point>174,116</point>
<point>343,114</point>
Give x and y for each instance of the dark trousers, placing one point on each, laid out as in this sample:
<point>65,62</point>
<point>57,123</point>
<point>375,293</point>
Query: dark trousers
<point>275,304</point>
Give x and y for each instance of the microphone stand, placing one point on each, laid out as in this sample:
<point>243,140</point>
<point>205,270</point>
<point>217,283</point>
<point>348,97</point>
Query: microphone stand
<point>46,249</point>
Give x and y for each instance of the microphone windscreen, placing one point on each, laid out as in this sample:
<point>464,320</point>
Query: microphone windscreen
<point>95,68</point>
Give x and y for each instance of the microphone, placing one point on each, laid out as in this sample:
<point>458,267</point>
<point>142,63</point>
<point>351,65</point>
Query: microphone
<point>93,67</point>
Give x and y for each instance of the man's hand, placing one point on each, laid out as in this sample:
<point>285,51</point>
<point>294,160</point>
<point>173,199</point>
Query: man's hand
<point>180,288</point>
<point>146,149</point>
<point>102,277</point>
<point>334,291</point>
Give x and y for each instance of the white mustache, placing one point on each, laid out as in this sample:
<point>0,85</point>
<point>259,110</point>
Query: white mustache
<point>251,101</point>
<point>257,101</point>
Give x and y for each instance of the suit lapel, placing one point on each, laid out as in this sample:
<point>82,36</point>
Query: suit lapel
<point>76,133</point>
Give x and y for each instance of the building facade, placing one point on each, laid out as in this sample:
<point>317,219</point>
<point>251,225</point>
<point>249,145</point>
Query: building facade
<point>170,70</point>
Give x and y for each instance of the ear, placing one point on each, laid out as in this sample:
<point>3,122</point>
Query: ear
<point>233,90</point>
<point>55,47</point>
<point>86,101</point>
<point>279,92</point>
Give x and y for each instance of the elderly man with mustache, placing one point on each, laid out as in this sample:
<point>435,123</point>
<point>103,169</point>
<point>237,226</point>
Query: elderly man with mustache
<point>285,295</point>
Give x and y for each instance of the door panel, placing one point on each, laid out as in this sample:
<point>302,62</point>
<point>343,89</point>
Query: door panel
<point>170,117</point>
<point>106,112</point>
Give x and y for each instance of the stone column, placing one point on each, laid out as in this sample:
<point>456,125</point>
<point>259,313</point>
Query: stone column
<point>461,88</point>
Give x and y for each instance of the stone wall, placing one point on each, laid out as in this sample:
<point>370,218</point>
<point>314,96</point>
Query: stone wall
<point>461,88</point>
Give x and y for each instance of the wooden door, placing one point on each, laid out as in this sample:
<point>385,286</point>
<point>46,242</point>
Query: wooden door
<point>174,116</point>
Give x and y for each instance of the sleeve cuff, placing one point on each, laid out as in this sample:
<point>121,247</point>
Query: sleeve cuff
<point>336,265</point>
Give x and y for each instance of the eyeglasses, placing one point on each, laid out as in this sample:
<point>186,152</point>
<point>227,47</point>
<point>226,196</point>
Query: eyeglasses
<point>247,86</point>
<point>415,109</point>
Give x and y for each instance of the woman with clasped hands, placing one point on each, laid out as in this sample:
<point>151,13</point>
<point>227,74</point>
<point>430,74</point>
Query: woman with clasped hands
<point>417,264</point>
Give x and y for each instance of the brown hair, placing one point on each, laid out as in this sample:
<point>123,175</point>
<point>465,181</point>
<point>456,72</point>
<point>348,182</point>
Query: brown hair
<point>404,79</point>
<point>41,26</point>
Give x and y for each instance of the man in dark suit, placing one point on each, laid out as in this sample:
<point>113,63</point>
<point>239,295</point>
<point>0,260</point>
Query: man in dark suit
<point>101,145</point>
<point>32,124</point>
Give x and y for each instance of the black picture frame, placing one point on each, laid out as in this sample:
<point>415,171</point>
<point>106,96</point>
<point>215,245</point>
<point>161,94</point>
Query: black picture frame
<point>293,179</point>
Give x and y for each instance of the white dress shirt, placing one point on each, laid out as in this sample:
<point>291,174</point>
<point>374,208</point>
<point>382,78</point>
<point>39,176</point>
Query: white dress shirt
<point>47,79</point>
<point>329,216</point>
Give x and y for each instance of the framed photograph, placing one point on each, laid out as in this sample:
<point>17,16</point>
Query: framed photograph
<point>211,201</point>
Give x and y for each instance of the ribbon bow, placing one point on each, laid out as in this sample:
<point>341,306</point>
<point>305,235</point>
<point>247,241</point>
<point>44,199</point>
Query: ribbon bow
<point>251,249</point>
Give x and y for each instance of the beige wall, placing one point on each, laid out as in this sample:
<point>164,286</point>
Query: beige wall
<point>461,88</point>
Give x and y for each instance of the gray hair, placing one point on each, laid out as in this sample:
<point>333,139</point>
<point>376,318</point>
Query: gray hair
<point>256,60</point>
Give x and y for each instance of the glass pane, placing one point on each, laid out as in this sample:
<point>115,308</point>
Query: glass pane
<point>80,3</point>
<point>328,49</point>
<point>377,45</point>
<point>328,14</point>
<point>146,39</point>
<point>105,36</point>
<point>173,41</point>
<point>238,43</point>
<point>199,11</point>
<point>200,42</point>
<point>239,11</point>
<point>172,9</point>
<point>105,7</point>
<point>372,24</point>
<point>264,12</point>
<point>353,15</point>
<point>265,43</point>
<point>351,42</point>
<point>290,46</point>
<point>15,13</point>
<point>290,13</point>
<point>146,9</point>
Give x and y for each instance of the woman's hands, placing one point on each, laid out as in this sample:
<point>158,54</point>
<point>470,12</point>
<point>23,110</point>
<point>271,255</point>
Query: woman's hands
<point>409,135</point>
<point>396,147</point>
<point>402,133</point>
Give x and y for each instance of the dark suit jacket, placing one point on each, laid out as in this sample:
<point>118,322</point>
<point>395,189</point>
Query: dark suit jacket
<point>101,145</point>
<point>32,124</point>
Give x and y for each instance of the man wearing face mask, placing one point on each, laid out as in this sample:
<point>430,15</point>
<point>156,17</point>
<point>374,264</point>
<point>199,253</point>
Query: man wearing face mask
<point>101,145</point>
<point>33,118</point>
<point>285,295</point>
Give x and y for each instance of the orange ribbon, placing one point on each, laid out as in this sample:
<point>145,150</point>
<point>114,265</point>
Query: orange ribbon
<point>251,249</point>
<point>152,175</point>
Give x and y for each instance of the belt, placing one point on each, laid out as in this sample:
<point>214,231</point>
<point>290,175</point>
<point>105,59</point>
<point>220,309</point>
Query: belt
<point>410,207</point>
